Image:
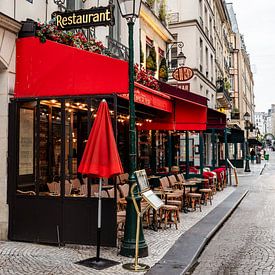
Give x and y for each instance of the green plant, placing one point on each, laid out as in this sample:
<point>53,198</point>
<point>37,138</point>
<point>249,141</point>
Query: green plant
<point>151,61</point>
<point>163,70</point>
<point>150,3</point>
<point>235,110</point>
<point>162,11</point>
<point>227,85</point>
<point>77,39</point>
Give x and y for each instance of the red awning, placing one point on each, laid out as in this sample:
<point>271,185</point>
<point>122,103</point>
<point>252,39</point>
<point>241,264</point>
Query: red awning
<point>151,98</point>
<point>215,119</point>
<point>53,69</point>
<point>187,116</point>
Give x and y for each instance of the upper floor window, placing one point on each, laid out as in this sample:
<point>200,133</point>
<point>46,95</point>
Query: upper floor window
<point>31,1</point>
<point>74,4</point>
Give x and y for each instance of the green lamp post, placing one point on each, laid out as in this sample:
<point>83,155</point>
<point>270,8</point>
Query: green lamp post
<point>130,10</point>
<point>246,119</point>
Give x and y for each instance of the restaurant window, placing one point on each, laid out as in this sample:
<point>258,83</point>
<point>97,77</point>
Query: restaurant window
<point>26,179</point>
<point>50,148</point>
<point>76,128</point>
<point>161,151</point>
<point>174,52</point>
<point>144,149</point>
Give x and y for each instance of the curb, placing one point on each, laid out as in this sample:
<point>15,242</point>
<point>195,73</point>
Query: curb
<point>212,233</point>
<point>182,256</point>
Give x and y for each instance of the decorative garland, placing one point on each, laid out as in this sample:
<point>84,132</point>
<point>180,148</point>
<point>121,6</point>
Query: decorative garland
<point>142,77</point>
<point>77,40</point>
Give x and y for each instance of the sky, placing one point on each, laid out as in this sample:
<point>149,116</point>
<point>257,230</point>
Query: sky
<point>256,21</point>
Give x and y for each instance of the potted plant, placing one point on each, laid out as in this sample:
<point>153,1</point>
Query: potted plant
<point>163,70</point>
<point>151,62</point>
<point>162,12</point>
<point>150,3</point>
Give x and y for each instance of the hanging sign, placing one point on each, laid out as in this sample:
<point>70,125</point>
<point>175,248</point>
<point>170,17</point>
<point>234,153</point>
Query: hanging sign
<point>96,16</point>
<point>182,74</point>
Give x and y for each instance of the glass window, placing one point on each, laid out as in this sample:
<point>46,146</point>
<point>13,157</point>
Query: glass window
<point>50,148</point>
<point>74,4</point>
<point>26,180</point>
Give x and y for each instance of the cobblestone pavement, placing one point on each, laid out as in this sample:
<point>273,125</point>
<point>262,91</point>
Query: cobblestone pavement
<point>246,242</point>
<point>25,258</point>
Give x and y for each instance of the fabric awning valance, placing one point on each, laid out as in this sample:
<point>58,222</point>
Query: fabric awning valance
<point>52,69</point>
<point>186,116</point>
<point>215,119</point>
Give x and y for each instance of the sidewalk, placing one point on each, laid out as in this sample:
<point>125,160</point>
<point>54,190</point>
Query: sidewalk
<point>171,251</point>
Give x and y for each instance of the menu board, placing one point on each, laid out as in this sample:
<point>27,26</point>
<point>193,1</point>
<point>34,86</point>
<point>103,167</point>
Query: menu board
<point>152,199</point>
<point>26,141</point>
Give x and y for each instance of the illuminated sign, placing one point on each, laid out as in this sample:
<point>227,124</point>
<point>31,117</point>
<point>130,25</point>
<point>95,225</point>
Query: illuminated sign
<point>182,74</point>
<point>96,16</point>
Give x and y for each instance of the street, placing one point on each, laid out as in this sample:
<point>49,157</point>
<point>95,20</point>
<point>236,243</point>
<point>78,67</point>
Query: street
<point>246,242</point>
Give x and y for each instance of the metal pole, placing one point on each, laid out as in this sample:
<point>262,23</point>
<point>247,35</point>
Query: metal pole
<point>201,151</point>
<point>187,153</point>
<point>247,168</point>
<point>128,243</point>
<point>98,221</point>
<point>226,153</point>
<point>213,141</point>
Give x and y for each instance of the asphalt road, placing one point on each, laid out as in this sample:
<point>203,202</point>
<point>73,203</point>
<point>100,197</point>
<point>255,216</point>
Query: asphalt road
<point>246,242</point>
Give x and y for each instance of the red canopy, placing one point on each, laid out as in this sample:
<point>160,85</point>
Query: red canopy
<point>101,158</point>
<point>187,116</point>
<point>52,69</point>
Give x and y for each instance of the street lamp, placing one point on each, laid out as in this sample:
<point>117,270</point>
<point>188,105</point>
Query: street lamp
<point>181,58</point>
<point>130,10</point>
<point>246,118</point>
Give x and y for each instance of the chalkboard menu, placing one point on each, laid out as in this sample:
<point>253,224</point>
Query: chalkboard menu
<point>26,141</point>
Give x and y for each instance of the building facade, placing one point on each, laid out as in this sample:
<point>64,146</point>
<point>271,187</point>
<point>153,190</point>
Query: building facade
<point>241,76</point>
<point>192,22</point>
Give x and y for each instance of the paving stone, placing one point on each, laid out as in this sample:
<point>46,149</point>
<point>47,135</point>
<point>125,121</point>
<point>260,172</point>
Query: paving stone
<point>246,243</point>
<point>27,258</point>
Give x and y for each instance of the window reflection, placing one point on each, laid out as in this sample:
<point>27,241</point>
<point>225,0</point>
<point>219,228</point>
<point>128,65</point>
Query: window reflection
<point>50,147</point>
<point>25,184</point>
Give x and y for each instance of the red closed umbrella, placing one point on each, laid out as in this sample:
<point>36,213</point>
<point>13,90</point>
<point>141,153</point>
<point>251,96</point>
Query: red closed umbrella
<point>100,159</point>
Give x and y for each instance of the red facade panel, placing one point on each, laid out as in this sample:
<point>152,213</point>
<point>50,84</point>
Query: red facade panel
<point>51,70</point>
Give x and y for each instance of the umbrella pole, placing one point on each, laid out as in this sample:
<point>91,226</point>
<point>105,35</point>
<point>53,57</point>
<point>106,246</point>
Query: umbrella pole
<point>98,221</point>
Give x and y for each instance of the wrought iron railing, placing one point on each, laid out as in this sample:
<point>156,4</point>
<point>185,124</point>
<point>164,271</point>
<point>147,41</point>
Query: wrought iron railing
<point>117,49</point>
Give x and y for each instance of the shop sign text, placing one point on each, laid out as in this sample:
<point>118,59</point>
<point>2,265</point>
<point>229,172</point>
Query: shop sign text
<point>96,16</point>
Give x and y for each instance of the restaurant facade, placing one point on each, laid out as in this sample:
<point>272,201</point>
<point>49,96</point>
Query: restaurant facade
<point>50,118</point>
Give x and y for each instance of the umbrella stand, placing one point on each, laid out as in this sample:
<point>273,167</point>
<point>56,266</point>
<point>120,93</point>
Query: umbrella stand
<point>97,262</point>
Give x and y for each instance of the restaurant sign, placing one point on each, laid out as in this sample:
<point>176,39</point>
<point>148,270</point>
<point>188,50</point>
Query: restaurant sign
<point>84,18</point>
<point>182,74</point>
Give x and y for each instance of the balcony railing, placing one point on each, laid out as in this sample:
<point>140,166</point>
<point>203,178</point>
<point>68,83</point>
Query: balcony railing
<point>117,49</point>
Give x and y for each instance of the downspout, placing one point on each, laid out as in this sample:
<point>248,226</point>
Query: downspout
<point>14,8</point>
<point>46,17</point>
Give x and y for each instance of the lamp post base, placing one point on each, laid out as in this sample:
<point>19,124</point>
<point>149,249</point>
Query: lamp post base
<point>247,168</point>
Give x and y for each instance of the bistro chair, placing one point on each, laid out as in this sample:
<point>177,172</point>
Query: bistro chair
<point>76,183</point>
<point>168,214</point>
<point>194,200</point>
<point>68,187</point>
<point>174,182</point>
<point>123,178</point>
<point>53,187</point>
<point>123,191</point>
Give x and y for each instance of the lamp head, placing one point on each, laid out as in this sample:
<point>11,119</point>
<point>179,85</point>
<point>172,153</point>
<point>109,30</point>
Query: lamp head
<point>129,9</point>
<point>181,59</point>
